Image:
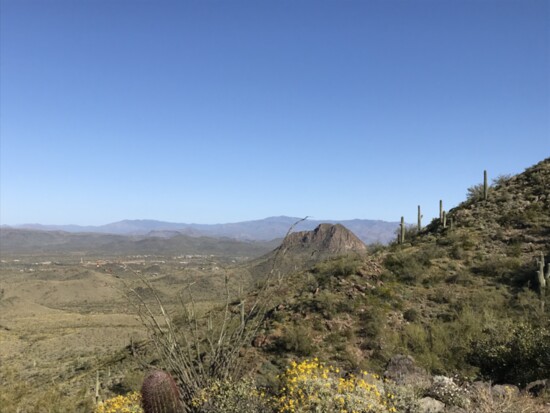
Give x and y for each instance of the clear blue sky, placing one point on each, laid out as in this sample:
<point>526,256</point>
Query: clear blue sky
<point>222,111</point>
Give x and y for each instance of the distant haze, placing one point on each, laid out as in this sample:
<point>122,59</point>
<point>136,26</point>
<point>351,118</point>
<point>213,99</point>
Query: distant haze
<point>369,231</point>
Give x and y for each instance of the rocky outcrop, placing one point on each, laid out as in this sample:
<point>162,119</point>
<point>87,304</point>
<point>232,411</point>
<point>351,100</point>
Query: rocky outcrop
<point>303,249</point>
<point>326,239</point>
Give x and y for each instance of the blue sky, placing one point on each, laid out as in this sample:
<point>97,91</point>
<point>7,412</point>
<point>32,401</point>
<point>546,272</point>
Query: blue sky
<point>222,111</point>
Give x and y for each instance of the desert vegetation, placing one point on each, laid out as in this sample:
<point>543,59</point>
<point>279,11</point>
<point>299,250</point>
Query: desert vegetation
<point>449,318</point>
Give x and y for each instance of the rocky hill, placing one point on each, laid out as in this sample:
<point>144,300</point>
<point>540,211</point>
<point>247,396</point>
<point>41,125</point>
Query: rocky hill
<point>462,298</point>
<point>303,249</point>
<point>323,242</point>
<point>516,211</point>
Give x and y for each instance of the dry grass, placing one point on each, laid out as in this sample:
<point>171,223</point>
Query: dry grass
<point>59,324</point>
<point>510,402</point>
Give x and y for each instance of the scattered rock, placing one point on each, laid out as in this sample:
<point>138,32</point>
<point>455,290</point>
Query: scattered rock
<point>456,409</point>
<point>536,388</point>
<point>404,371</point>
<point>429,405</point>
<point>447,391</point>
<point>503,390</point>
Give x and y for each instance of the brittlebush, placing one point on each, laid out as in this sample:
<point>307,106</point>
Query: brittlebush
<point>310,386</point>
<point>130,403</point>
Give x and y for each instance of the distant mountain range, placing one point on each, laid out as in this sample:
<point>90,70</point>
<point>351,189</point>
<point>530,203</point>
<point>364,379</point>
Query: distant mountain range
<point>32,241</point>
<point>369,231</point>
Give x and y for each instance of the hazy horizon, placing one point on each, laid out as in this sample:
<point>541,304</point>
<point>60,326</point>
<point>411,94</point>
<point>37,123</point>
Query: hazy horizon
<point>191,223</point>
<point>219,112</point>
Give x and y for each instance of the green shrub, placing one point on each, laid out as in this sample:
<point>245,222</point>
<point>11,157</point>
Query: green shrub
<point>411,266</point>
<point>475,193</point>
<point>372,322</point>
<point>328,304</point>
<point>407,267</point>
<point>337,267</point>
<point>498,267</point>
<point>513,354</point>
<point>227,396</point>
<point>411,314</point>
<point>405,398</point>
<point>463,239</point>
<point>296,340</point>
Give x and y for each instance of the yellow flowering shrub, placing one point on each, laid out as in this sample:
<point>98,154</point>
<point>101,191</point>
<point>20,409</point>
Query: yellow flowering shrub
<point>310,386</point>
<point>130,403</point>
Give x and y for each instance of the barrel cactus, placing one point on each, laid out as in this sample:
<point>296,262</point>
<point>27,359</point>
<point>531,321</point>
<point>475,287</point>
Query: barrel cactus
<point>160,393</point>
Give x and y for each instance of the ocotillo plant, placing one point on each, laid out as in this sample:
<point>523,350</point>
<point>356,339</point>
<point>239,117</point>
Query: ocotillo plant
<point>160,394</point>
<point>201,349</point>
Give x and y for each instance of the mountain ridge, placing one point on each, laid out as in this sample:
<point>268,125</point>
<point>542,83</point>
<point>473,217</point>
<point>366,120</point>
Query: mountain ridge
<point>27,241</point>
<point>266,229</point>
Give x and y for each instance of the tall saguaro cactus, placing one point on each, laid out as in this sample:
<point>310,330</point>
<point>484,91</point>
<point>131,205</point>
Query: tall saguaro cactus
<point>441,211</point>
<point>485,186</point>
<point>419,219</point>
<point>402,232</point>
<point>540,274</point>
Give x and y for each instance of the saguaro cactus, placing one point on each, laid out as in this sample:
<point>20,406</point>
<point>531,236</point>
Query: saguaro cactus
<point>419,219</point>
<point>441,211</point>
<point>97,387</point>
<point>540,273</point>
<point>485,186</point>
<point>444,219</point>
<point>402,237</point>
<point>160,394</point>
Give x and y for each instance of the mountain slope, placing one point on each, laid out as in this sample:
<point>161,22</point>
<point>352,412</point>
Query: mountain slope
<point>458,299</point>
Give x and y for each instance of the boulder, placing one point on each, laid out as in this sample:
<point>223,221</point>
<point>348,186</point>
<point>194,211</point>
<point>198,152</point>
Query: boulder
<point>536,388</point>
<point>429,405</point>
<point>447,391</point>
<point>403,370</point>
